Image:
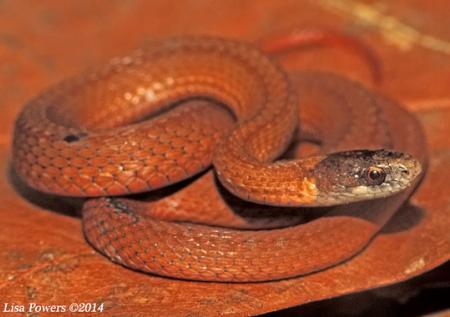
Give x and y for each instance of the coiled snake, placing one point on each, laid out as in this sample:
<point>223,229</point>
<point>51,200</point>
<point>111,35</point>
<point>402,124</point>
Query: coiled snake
<point>97,134</point>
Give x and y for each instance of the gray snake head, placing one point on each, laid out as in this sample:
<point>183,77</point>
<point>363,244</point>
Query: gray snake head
<point>358,175</point>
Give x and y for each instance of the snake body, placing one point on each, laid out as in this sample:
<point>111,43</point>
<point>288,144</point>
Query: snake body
<point>97,134</point>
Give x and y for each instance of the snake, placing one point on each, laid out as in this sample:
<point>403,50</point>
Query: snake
<point>162,115</point>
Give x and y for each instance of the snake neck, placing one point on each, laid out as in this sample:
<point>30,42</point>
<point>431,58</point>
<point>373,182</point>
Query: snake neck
<point>280,183</point>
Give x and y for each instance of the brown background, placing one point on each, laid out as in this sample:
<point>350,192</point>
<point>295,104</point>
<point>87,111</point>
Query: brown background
<point>43,256</point>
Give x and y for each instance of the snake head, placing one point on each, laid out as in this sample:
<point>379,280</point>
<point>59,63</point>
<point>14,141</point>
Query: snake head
<point>351,176</point>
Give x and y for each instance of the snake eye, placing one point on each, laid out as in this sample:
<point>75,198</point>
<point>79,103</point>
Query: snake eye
<point>375,175</point>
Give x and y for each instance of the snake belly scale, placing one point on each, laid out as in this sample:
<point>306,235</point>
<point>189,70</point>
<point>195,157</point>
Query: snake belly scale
<point>97,135</point>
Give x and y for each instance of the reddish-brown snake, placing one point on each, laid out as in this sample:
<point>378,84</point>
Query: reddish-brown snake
<point>97,135</point>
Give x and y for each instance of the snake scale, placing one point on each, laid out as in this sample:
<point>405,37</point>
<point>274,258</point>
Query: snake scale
<point>161,115</point>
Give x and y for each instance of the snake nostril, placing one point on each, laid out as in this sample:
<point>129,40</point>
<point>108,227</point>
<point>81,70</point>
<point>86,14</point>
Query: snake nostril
<point>404,170</point>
